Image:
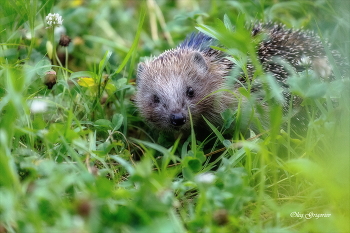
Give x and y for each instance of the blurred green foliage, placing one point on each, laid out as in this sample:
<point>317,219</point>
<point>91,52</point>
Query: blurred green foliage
<point>76,157</point>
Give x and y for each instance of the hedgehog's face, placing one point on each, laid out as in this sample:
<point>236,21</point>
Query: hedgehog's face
<point>173,86</point>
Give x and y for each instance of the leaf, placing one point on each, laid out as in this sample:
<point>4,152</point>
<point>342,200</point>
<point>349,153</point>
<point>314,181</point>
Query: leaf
<point>86,82</point>
<point>121,82</point>
<point>308,86</point>
<point>227,143</point>
<point>110,88</point>
<point>244,92</point>
<point>200,155</point>
<point>215,130</point>
<point>84,74</point>
<point>276,89</point>
<point>104,187</point>
<point>104,61</point>
<point>43,66</point>
<point>229,116</point>
<point>187,173</point>
<point>143,169</point>
<point>193,163</point>
<point>316,90</point>
<point>103,123</point>
<point>117,121</point>
<point>227,22</point>
<point>124,163</point>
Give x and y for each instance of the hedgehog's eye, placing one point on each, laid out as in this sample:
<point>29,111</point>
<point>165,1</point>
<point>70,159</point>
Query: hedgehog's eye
<point>190,92</point>
<point>156,99</point>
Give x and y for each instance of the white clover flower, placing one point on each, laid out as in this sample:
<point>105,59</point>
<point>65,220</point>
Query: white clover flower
<point>43,131</point>
<point>53,20</point>
<point>38,106</point>
<point>304,61</point>
<point>206,178</point>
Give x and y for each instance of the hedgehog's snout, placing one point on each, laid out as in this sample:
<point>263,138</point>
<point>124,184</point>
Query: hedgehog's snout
<point>177,119</point>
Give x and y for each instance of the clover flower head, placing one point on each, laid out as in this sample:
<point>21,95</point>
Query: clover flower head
<point>53,20</point>
<point>304,61</point>
<point>38,106</point>
<point>205,178</point>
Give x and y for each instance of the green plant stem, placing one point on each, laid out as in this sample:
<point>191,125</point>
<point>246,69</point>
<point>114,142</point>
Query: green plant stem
<point>66,61</point>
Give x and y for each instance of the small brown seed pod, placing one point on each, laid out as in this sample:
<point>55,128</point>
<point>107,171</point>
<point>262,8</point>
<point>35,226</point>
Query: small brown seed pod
<point>50,79</point>
<point>64,40</point>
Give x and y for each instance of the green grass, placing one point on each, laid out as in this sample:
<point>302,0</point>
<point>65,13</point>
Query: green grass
<point>84,161</point>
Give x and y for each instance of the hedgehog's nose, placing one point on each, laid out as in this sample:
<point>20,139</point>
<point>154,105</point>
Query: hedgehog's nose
<point>177,119</point>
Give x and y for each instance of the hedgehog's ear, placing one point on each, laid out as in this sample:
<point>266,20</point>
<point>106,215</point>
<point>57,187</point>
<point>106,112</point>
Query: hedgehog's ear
<point>199,60</point>
<point>140,68</point>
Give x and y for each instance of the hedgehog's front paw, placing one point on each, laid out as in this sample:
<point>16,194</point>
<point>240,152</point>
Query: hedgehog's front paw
<point>322,67</point>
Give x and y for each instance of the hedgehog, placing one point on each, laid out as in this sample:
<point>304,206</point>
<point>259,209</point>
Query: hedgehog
<point>183,86</point>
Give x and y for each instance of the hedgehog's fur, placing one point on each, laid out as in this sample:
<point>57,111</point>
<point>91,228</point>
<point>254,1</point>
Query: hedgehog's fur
<point>187,79</point>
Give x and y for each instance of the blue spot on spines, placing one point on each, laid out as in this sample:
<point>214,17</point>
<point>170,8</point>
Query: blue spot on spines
<point>197,41</point>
